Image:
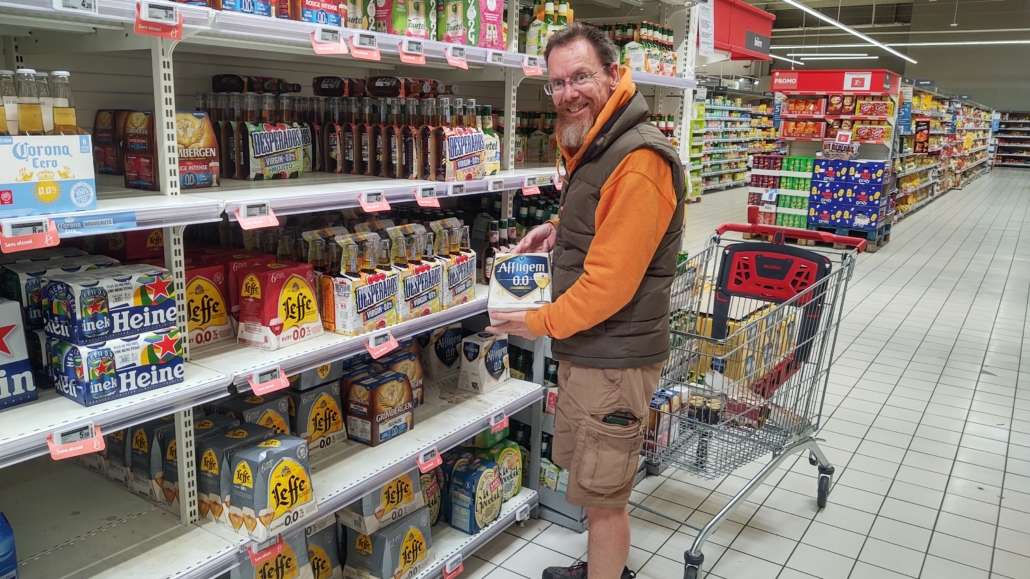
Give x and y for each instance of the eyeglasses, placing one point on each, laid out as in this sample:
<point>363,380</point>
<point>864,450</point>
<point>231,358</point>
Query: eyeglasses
<point>557,86</point>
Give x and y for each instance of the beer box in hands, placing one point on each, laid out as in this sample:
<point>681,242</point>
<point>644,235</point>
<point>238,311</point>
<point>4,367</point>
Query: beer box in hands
<point>380,408</point>
<point>401,551</point>
<point>24,282</point>
<point>324,549</point>
<point>94,306</point>
<point>271,487</point>
<point>484,362</point>
<point>385,506</point>
<point>16,382</point>
<point>272,411</point>
<point>206,307</point>
<point>277,305</point>
<point>476,496</point>
<point>117,368</point>
<point>214,481</point>
<point>318,376</point>
<point>520,281</point>
<point>440,351</point>
<point>203,428</point>
<point>197,147</point>
<point>286,556</point>
<point>46,174</point>
<point>317,417</point>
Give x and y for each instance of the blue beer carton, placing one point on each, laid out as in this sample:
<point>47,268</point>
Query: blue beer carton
<point>17,385</point>
<point>117,368</point>
<point>476,496</point>
<point>867,172</point>
<point>46,174</point>
<point>24,281</point>
<point>830,170</point>
<point>868,195</point>
<point>825,192</point>
<point>8,556</point>
<point>90,307</point>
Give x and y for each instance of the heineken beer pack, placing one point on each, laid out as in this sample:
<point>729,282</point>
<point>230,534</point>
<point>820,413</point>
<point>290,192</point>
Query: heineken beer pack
<point>16,383</point>
<point>277,305</point>
<point>24,281</point>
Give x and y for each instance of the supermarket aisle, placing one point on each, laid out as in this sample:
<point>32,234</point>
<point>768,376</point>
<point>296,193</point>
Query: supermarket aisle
<point>929,423</point>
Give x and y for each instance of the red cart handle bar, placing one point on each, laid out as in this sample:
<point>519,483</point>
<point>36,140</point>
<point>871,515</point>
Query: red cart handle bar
<point>779,233</point>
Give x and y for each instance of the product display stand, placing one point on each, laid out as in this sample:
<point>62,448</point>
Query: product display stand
<point>1013,137</point>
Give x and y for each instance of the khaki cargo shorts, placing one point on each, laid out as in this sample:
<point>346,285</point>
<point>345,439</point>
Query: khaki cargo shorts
<point>601,458</point>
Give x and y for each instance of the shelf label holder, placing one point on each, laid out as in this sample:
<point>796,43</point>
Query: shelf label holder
<point>495,57</point>
<point>412,51</point>
<point>365,45</point>
<point>494,185</point>
<point>372,201</point>
<point>522,514</point>
<point>426,196</point>
<point>23,234</point>
<point>456,56</point>
<point>328,40</point>
<point>255,215</point>
<point>160,19</point>
<point>265,551</point>
<point>267,381</point>
<point>76,6</point>
<point>75,442</point>
<point>529,186</point>
<point>428,460</point>
<point>531,65</point>
<point>380,344</point>
<point>453,567</point>
<point>455,189</point>
<point>498,422</point>
<point>557,182</point>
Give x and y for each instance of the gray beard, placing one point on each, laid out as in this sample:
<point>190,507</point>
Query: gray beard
<point>571,135</point>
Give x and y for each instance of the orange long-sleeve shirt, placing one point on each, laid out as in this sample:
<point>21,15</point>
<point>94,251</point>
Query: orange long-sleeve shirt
<point>632,215</point>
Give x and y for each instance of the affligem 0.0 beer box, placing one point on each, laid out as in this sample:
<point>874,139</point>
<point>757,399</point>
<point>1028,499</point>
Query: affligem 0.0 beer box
<point>46,174</point>
<point>90,307</point>
<point>16,383</point>
<point>520,281</point>
<point>277,305</point>
<point>117,368</point>
<point>484,362</point>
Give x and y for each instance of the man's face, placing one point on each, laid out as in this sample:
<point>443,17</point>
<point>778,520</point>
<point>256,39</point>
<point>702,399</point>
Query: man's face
<point>579,106</point>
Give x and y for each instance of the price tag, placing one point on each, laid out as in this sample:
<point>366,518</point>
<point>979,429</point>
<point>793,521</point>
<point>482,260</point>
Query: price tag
<point>412,51</point>
<point>328,40</point>
<point>261,552</point>
<point>529,186</point>
<point>426,196</point>
<point>494,185</point>
<point>76,442</point>
<point>495,57</point>
<point>769,195</point>
<point>365,45</point>
<point>498,422</point>
<point>159,19</point>
<point>453,567</point>
<point>372,201</point>
<point>523,513</point>
<point>456,56</point>
<point>255,215</point>
<point>380,344</point>
<point>843,137</point>
<point>556,180</point>
<point>76,6</point>
<point>428,460</point>
<point>268,381</point>
<point>455,189</point>
<point>531,65</point>
<point>28,233</point>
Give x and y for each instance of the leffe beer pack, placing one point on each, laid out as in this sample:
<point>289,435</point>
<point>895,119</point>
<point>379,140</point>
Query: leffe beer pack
<point>277,305</point>
<point>95,306</point>
<point>16,383</point>
<point>207,308</point>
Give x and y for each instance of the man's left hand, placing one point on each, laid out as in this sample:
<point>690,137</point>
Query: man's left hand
<point>516,325</point>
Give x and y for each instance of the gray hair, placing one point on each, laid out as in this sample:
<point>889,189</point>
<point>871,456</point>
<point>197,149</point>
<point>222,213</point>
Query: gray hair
<point>603,46</point>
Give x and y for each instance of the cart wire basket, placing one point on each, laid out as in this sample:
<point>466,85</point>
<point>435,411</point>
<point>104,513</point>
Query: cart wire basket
<point>753,330</point>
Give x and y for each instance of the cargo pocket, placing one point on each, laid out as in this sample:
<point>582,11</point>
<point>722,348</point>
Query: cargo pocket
<point>606,456</point>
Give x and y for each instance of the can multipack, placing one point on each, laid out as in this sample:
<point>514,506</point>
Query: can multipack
<point>17,385</point>
<point>23,282</point>
<point>271,487</point>
<point>452,461</point>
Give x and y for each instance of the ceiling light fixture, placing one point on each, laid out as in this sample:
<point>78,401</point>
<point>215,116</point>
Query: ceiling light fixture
<point>827,54</point>
<point>807,58</point>
<point>848,29</point>
<point>955,43</point>
<point>787,59</point>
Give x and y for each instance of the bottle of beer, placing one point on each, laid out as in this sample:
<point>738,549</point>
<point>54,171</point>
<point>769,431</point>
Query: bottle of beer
<point>268,112</point>
<point>284,252</point>
<point>458,113</point>
<point>443,106</point>
<point>30,114</point>
<point>513,236</point>
<point>9,94</point>
<point>64,106</point>
<point>502,235</point>
<point>491,251</point>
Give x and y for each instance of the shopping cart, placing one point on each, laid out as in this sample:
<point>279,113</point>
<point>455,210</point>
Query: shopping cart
<point>753,330</point>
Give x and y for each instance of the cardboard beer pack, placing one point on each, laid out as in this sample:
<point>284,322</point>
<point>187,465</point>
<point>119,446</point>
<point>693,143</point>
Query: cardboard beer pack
<point>234,262</point>
<point>421,275</point>
<point>384,506</point>
<point>508,457</point>
<point>432,493</point>
<point>476,496</point>
<point>116,456</point>
<point>90,307</point>
<point>271,487</point>
<point>272,411</point>
<point>485,28</point>
<point>23,282</point>
<point>406,363</point>
<point>204,428</point>
<point>401,551</point>
<point>452,461</point>
<point>132,245</point>
<point>380,408</point>
<point>363,298</point>
<point>317,416</point>
<point>440,351</point>
<point>277,305</point>
<point>324,549</point>
<point>107,157</point>
<point>484,362</point>
<point>16,381</point>
<point>197,147</point>
<point>520,281</point>
<point>266,151</point>
<point>214,480</point>
<point>117,368</point>
<point>140,151</point>
<point>207,308</point>
<point>146,464</point>
<point>318,376</point>
<point>457,153</point>
<point>286,556</point>
<point>452,248</point>
<point>46,174</point>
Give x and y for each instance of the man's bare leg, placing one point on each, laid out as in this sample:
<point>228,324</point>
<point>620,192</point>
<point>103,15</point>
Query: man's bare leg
<point>608,543</point>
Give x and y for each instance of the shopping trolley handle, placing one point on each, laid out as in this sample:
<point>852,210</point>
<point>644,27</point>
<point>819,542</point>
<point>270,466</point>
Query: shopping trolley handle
<point>779,233</point>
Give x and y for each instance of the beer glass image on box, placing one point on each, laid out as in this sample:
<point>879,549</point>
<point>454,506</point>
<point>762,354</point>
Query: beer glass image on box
<point>401,551</point>
<point>390,503</point>
<point>317,417</point>
<point>24,282</point>
<point>380,408</point>
<point>203,429</point>
<point>484,362</point>
<point>146,464</point>
<point>214,481</point>
<point>520,281</point>
<point>16,382</point>
<point>324,549</point>
<point>117,368</point>
<point>46,174</point>
<point>285,557</point>
<point>271,488</point>
<point>476,496</point>
<point>277,305</point>
<point>95,306</point>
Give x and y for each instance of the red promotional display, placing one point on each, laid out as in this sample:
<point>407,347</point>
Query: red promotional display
<point>742,30</point>
<point>845,82</point>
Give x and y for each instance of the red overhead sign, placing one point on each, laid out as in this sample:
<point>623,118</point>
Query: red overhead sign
<point>742,30</point>
<point>822,82</point>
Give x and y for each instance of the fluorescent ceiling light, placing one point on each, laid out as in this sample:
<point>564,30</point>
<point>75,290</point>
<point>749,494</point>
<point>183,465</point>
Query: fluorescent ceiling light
<point>827,54</point>
<point>806,58</point>
<point>785,60</point>
<point>955,43</point>
<point>846,28</point>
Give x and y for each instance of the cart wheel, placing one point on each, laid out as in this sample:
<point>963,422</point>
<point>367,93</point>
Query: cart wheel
<point>692,567</point>
<point>690,573</point>
<point>824,490</point>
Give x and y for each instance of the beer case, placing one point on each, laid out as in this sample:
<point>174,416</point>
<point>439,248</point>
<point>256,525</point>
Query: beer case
<point>380,408</point>
<point>28,188</point>
<point>45,254</point>
<point>146,464</point>
<point>235,262</point>
<point>17,385</point>
<point>316,416</point>
<point>214,480</point>
<point>271,487</point>
<point>353,305</point>
<point>520,281</point>
<point>39,357</point>
<point>457,153</point>
<point>132,245</point>
<point>432,483</point>
<point>206,306</point>
<point>459,279</point>
<point>421,289</point>
<point>508,457</point>
<point>116,456</point>
<point>140,151</point>
<point>197,147</point>
<point>452,461</point>
<point>406,363</point>
<point>440,351</point>
<point>288,555</point>
<point>277,305</point>
<point>117,368</point>
<point>318,11</point>
<point>384,506</point>
<point>91,307</point>
<point>324,549</point>
<point>23,282</point>
<point>203,428</point>
<point>401,551</point>
<point>485,29</point>
<point>265,151</point>
<point>476,496</point>
<point>107,158</point>
<point>318,376</point>
<point>484,362</point>
<point>272,411</point>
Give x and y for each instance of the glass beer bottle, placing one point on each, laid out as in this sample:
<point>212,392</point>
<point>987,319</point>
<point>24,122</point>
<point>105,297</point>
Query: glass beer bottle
<point>30,114</point>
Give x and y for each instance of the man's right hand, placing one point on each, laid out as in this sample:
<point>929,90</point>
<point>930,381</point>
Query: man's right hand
<point>540,240</point>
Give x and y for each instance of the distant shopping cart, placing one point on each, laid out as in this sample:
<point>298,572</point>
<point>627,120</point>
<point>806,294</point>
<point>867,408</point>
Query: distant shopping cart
<point>753,330</point>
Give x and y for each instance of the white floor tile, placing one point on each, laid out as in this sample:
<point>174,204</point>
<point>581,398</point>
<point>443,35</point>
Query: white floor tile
<point>820,563</point>
<point>834,539</point>
<point>566,542</point>
<point>1011,565</point>
<point>899,533</point>
<point>893,557</point>
<point>763,545</point>
<point>738,565</point>
<point>938,568</point>
<point>960,551</point>
<point>532,559</point>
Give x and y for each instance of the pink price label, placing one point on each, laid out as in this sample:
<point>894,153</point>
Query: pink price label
<point>78,448</point>
<point>428,460</point>
<point>556,179</point>
<point>531,66</point>
<point>365,46</point>
<point>456,57</point>
<point>454,572</point>
<point>256,559</point>
<point>256,217</point>
<point>426,197</point>
<point>409,54</point>
<point>379,345</point>
<point>159,29</point>
<point>498,423</point>
<point>27,241</point>
<point>322,46</point>
<point>268,381</point>
<point>372,201</point>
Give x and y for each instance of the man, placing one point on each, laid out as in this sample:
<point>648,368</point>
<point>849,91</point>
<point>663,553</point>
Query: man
<point>614,257</point>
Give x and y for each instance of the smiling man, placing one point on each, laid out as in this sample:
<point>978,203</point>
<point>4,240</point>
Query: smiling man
<point>614,257</point>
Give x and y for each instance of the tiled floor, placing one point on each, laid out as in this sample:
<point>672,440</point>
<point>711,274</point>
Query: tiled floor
<point>927,421</point>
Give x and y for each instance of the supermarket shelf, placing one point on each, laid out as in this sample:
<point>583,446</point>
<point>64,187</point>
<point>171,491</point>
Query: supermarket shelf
<point>754,112</point>
<point>1012,164</point>
<point>24,428</point>
<point>723,118</point>
<point>928,113</point>
<point>724,161</point>
<point>787,192</point>
<point>968,167</point>
<point>722,185</point>
<point>723,107</point>
<point>1012,155</point>
<point>307,355</point>
<point>449,542</point>
<point>726,129</point>
<point>916,170</point>
<point>724,172</point>
<point>829,139</point>
<point>729,140</point>
<point>938,132</point>
<point>918,188</point>
<point>732,150</point>
<point>94,528</point>
<point>1007,136</point>
<point>975,149</point>
<point>1007,146</point>
<point>779,173</point>
<point>842,117</point>
<point>448,418</point>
